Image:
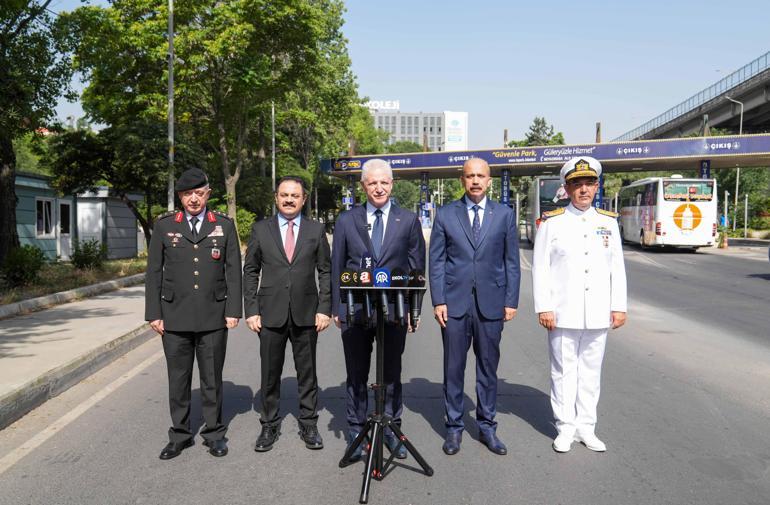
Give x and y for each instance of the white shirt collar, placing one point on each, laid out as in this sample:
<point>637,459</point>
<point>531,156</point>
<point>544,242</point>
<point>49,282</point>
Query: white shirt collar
<point>578,212</point>
<point>469,203</point>
<point>201,216</point>
<point>370,209</point>
<point>282,220</point>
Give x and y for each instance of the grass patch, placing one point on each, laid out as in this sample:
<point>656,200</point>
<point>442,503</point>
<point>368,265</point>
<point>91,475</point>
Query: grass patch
<point>61,276</point>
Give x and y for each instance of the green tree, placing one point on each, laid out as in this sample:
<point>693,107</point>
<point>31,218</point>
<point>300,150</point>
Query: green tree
<point>34,71</point>
<point>540,133</point>
<point>129,159</point>
<point>234,59</point>
<point>365,138</point>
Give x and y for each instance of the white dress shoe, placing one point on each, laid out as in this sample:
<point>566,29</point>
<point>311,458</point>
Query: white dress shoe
<point>563,443</point>
<point>591,441</point>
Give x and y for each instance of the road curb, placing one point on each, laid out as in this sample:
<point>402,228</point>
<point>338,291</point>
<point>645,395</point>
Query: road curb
<point>43,302</point>
<point>19,402</point>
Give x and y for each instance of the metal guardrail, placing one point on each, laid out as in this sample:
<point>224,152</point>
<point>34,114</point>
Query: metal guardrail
<point>734,79</point>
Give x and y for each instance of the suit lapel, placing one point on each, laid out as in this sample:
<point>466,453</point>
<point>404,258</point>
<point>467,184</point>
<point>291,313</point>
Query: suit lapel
<point>206,227</point>
<point>486,224</point>
<point>272,225</point>
<point>394,219</point>
<point>301,236</point>
<point>185,229</point>
<point>461,210</point>
<point>360,222</point>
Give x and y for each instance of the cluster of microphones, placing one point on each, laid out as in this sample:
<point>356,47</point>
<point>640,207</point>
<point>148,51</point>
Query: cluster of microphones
<point>399,283</point>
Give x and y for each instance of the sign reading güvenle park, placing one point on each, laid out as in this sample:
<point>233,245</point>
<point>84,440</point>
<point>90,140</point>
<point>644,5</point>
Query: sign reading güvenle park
<point>755,146</point>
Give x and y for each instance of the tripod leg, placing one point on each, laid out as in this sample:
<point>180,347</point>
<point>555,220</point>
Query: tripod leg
<point>371,462</point>
<point>412,450</point>
<point>360,439</point>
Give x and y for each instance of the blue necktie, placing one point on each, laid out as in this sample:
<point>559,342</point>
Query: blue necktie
<point>476,227</point>
<point>377,233</point>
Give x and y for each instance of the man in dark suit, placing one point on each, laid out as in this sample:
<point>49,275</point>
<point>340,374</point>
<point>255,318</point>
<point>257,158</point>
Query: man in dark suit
<point>393,237</point>
<point>285,252</point>
<point>192,297</point>
<point>474,285</point>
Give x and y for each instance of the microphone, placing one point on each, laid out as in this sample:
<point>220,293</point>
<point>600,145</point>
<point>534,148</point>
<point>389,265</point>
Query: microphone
<point>416,280</point>
<point>382,280</point>
<point>399,279</point>
<point>346,280</point>
<point>365,280</point>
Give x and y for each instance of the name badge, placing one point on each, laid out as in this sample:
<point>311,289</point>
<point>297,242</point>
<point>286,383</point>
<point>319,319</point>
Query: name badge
<point>216,253</point>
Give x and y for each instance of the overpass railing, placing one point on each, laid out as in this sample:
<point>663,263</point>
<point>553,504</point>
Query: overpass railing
<point>734,79</point>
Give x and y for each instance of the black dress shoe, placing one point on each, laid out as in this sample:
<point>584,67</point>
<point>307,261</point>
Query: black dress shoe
<point>392,442</point>
<point>267,438</point>
<point>452,443</point>
<point>493,443</point>
<point>174,449</point>
<point>217,448</point>
<point>311,437</point>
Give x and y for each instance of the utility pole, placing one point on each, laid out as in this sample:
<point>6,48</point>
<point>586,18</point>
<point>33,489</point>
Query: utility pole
<point>272,126</point>
<point>170,105</point>
<point>737,169</point>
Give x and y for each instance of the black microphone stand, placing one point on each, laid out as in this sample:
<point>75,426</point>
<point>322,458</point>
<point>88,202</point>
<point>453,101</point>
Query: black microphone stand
<point>378,421</point>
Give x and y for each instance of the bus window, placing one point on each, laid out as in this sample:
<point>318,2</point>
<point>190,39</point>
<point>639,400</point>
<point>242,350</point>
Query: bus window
<point>552,195</point>
<point>680,191</point>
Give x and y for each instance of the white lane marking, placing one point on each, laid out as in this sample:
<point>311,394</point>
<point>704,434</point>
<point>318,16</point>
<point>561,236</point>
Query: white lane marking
<point>643,258</point>
<point>33,443</point>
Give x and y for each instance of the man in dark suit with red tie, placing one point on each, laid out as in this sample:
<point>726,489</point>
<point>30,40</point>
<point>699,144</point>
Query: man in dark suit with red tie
<point>285,252</point>
<point>393,237</point>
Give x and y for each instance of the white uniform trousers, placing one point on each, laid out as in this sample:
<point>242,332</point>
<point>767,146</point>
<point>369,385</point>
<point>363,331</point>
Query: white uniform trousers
<point>576,367</point>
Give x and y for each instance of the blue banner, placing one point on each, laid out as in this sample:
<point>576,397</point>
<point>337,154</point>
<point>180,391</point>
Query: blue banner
<point>700,147</point>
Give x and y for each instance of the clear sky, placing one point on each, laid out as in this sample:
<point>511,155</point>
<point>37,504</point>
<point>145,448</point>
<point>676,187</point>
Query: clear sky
<point>573,62</point>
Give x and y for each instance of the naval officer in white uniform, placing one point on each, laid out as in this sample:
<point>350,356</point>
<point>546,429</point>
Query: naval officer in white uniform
<point>580,293</point>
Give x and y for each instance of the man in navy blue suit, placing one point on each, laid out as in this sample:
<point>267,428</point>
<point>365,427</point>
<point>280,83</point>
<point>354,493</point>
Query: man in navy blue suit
<point>474,284</point>
<point>393,237</point>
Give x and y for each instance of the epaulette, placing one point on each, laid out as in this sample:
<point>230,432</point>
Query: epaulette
<point>553,213</point>
<point>221,214</point>
<point>609,213</point>
<point>165,215</point>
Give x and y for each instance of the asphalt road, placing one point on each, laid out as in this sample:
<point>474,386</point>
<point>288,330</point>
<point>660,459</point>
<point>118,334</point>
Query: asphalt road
<point>684,412</point>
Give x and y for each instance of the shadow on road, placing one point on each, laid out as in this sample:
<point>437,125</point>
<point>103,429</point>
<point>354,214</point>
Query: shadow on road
<point>236,400</point>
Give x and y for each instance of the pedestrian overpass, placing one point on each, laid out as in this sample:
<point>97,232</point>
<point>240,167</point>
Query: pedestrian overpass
<point>694,153</point>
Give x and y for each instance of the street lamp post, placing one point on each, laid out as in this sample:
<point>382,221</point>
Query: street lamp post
<point>737,169</point>
<point>170,105</point>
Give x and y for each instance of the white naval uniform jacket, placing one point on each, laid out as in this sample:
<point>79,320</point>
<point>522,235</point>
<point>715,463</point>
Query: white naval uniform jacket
<point>577,269</point>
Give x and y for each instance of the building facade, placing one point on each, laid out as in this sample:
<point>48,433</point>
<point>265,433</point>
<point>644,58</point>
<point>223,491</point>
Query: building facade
<point>442,131</point>
<point>52,222</point>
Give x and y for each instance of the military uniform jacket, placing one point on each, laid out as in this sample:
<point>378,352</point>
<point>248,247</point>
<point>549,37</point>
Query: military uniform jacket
<point>193,284</point>
<point>577,268</point>
<point>274,287</point>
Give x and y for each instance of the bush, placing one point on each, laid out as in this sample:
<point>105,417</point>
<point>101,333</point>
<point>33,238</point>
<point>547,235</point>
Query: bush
<point>89,254</point>
<point>22,265</point>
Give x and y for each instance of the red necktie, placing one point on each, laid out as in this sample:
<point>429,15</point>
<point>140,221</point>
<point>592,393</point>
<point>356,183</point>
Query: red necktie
<point>289,244</point>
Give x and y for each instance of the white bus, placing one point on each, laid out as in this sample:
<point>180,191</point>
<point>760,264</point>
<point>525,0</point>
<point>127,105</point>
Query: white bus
<point>669,211</point>
<point>545,193</point>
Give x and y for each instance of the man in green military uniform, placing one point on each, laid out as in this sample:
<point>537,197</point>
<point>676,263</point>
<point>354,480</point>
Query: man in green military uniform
<point>192,297</point>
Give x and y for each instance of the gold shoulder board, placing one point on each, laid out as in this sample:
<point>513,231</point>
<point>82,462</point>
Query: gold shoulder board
<point>553,213</point>
<point>609,213</point>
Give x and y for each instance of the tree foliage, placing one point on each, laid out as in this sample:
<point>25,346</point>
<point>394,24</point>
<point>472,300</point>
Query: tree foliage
<point>34,71</point>
<point>233,60</point>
